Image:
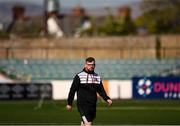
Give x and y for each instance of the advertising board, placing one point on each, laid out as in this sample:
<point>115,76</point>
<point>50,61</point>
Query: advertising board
<point>25,90</point>
<point>156,87</point>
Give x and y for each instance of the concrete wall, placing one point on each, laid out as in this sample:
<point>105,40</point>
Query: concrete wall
<point>130,47</point>
<point>170,46</point>
<point>116,89</point>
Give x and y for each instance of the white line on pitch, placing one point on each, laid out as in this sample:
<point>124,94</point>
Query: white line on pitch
<point>139,108</point>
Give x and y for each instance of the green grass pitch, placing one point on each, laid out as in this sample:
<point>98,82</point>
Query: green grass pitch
<point>123,112</point>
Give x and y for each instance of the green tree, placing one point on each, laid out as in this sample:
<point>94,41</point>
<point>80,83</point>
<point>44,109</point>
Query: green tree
<point>124,25</point>
<point>119,25</point>
<point>107,28</point>
<point>160,16</point>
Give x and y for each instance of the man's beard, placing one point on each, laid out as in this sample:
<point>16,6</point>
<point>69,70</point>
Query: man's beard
<point>90,70</point>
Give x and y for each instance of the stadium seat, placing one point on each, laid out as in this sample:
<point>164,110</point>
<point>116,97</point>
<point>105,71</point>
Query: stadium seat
<point>46,70</point>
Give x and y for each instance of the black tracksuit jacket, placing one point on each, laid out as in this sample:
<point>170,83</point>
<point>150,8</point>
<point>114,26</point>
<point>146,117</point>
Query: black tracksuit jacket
<point>87,85</point>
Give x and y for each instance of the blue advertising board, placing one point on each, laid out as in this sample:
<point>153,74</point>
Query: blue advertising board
<point>156,87</point>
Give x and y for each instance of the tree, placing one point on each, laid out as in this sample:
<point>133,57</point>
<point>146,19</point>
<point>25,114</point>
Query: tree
<point>122,24</point>
<point>160,16</point>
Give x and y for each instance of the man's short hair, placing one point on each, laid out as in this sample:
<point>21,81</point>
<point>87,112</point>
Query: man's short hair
<point>90,59</point>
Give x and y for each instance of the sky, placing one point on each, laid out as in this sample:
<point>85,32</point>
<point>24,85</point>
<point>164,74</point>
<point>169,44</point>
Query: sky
<point>95,3</point>
<point>84,3</point>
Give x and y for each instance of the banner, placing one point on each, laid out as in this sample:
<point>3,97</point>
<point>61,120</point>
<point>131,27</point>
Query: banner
<point>25,91</point>
<point>156,87</point>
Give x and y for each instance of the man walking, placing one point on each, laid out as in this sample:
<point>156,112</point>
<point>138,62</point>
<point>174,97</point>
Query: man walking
<point>87,83</point>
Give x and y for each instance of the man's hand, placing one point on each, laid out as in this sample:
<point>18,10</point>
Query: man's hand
<point>69,107</point>
<point>109,101</point>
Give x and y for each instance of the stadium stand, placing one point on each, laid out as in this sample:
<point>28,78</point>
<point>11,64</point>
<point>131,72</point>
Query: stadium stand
<point>46,70</point>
